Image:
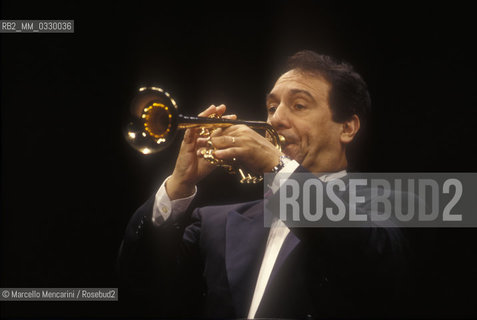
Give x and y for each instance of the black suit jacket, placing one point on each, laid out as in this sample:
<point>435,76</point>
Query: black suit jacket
<point>207,265</point>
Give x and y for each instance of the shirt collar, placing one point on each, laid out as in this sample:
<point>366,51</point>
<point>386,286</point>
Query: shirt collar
<point>333,175</point>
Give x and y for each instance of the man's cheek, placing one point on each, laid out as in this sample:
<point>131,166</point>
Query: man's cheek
<point>294,152</point>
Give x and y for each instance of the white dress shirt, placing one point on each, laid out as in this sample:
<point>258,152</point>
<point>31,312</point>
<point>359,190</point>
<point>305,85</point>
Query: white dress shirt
<point>164,209</point>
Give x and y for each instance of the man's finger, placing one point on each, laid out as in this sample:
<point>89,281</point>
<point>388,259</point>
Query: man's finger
<point>217,132</point>
<point>230,117</point>
<point>221,109</point>
<point>189,140</point>
<point>202,142</point>
<point>223,142</point>
<point>237,130</point>
<point>188,136</point>
<point>231,154</point>
<point>207,112</point>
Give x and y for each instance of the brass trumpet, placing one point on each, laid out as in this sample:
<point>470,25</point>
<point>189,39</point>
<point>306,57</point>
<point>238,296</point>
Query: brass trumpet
<point>156,120</point>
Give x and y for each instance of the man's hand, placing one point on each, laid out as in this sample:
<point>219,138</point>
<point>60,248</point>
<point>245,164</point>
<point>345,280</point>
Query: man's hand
<point>190,168</point>
<point>249,149</point>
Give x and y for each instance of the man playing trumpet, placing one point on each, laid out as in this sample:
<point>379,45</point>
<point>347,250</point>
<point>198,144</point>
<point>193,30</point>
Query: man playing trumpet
<point>239,267</point>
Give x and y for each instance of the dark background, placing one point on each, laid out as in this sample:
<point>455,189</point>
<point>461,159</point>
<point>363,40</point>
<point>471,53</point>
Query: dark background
<point>70,182</point>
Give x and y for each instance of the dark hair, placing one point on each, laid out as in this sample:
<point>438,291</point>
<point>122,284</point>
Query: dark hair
<point>348,94</point>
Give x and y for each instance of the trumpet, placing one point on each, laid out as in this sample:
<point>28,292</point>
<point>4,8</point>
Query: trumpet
<point>155,121</point>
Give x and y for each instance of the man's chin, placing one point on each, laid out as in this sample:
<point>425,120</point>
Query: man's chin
<point>286,150</point>
<point>291,152</point>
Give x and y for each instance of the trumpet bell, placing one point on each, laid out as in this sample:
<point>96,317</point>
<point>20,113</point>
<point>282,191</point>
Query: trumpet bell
<point>155,121</point>
<point>152,123</point>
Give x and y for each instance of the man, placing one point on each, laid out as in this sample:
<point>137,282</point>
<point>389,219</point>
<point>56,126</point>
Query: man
<point>250,270</point>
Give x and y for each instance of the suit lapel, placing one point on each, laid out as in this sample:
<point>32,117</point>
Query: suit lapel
<point>288,246</point>
<point>246,238</point>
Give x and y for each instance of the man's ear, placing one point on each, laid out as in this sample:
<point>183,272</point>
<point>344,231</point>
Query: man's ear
<point>349,129</point>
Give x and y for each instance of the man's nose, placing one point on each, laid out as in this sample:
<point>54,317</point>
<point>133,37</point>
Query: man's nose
<point>280,119</point>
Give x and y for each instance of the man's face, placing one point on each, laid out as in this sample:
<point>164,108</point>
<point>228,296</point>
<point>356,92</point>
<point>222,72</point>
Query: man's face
<point>298,109</point>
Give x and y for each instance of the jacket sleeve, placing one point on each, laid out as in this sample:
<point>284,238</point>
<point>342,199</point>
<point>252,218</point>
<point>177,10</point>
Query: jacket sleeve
<point>159,266</point>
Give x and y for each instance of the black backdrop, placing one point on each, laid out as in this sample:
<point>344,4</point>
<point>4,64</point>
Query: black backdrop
<point>70,182</point>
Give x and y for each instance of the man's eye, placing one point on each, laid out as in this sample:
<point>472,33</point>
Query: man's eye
<point>272,109</point>
<point>299,106</point>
